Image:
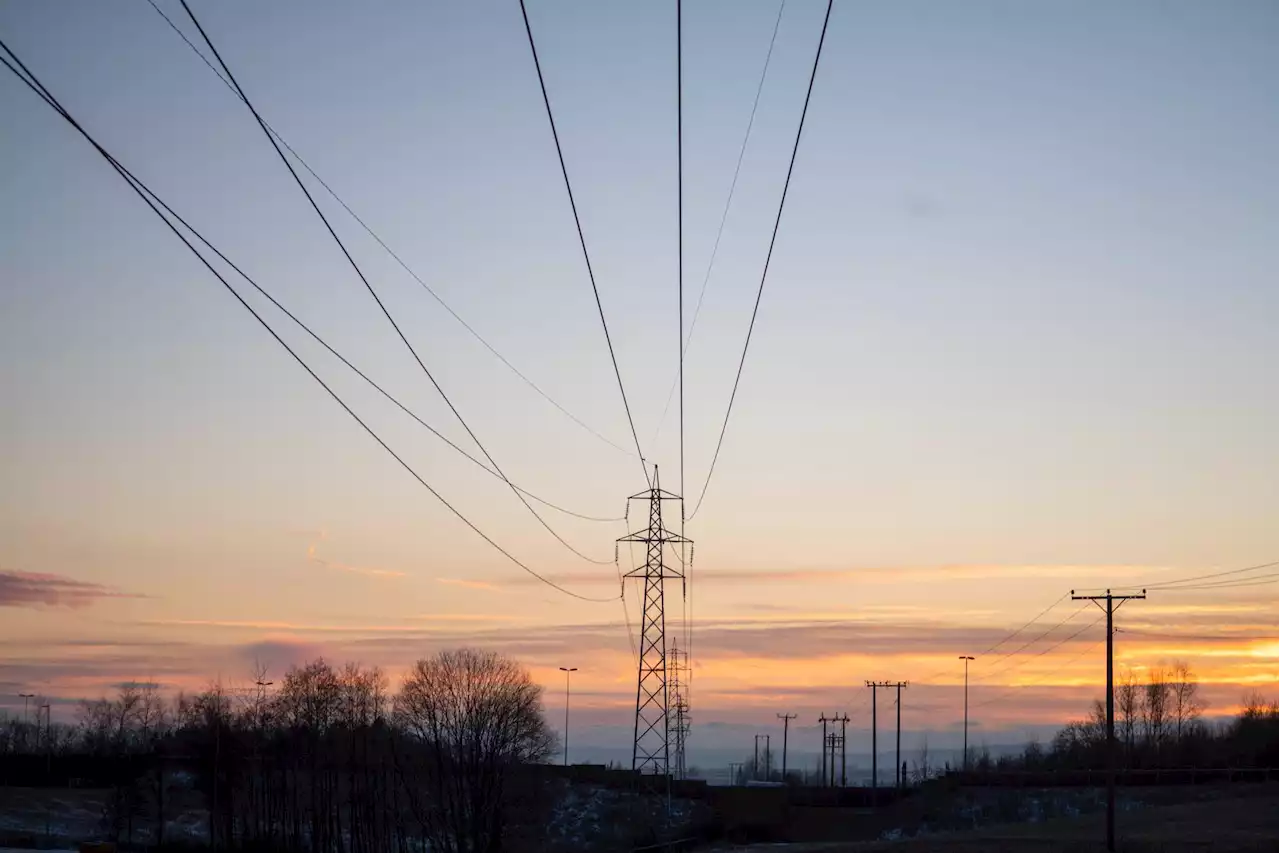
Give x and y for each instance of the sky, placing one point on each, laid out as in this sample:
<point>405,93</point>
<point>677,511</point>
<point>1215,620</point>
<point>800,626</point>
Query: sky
<point>1016,338</point>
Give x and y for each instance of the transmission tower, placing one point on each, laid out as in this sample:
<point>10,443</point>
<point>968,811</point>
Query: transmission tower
<point>651,750</point>
<point>679,664</point>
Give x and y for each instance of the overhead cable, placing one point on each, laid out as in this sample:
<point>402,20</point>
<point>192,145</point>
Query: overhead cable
<point>1158,584</point>
<point>768,257</point>
<point>32,82</point>
<point>372,292</point>
<point>1024,661</point>
<point>1196,637</point>
<point>1037,681</point>
<point>1180,581</point>
<point>582,239</point>
<point>724,217</point>
<point>1223,585</point>
<point>1033,641</point>
<point>948,670</point>
<point>391,252</point>
<point>1034,620</point>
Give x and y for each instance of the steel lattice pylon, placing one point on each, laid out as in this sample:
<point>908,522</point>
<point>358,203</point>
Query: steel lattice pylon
<point>651,752</point>
<point>678,709</point>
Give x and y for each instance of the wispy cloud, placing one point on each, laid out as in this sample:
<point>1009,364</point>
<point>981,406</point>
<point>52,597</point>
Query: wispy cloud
<point>463,617</point>
<point>314,557</point>
<point>298,627</point>
<point>873,574</point>
<point>487,586</point>
<point>36,589</point>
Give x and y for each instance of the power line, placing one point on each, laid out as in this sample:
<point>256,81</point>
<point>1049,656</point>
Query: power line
<point>146,195</point>
<point>1035,619</point>
<point>368,286</point>
<point>1000,643</point>
<point>1177,581</point>
<point>1016,664</point>
<point>1224,585</point>
<point>768,257</point>
<point>724,215</point>
<point>622,595</point>
<point>1041,680</point>
<point>370,381</point>
<point>680,232</point>
<point>582,239</point>
<point>1197,637</point>
<point>394,256</point>
<point>1163,584</point>
<point>1046,650</point>
<point>686,566</point>
<point>685,604</point>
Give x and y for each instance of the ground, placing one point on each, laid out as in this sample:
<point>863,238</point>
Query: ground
<point>1231,825</point>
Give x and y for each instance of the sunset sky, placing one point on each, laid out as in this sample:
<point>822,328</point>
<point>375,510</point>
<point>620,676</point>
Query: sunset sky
<point>1018,337</point>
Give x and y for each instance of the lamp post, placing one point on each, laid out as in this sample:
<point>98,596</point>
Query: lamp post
<point>260,710</point>
<point>566,670</point>
<point>26,698</point>
<point>966,659</point>
<point>48,735</point>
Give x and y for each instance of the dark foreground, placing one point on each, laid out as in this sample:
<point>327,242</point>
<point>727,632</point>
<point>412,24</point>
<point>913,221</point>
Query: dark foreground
<point>1230,825</point>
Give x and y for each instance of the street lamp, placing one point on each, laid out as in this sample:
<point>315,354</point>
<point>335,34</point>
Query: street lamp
<point>966,659</point>
<point>25,697</point>
<point>48,741</point>
<point>260,706</point>
<point>566,670</point>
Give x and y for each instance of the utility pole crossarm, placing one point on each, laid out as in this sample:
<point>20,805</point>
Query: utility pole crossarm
<point>1108,596</point>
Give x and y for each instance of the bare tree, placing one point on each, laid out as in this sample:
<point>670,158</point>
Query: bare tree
<point>1128,701</point>
<point>1032,754</point>
<point>1185,702</point>
<point>475,716</point>
<point>1155,707</point>
<point>922,769</point>
<point>1255,706</point>
<point>154,724</point>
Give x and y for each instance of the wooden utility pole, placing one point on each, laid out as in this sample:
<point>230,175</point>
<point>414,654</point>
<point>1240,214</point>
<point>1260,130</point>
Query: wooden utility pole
<point>786,721</point>
<point>1112,604</point>
<point>875,758</point>
<point>843,720</point>
<point>824,719</point>
<point>966,659</point>
<point>898,748</point>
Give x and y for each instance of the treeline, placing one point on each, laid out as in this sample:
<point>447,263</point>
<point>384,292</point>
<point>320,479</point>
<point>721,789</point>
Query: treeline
<point>327,759</point>
<point>1159,723</point>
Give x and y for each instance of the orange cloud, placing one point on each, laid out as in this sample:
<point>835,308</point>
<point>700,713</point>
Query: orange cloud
<point>874,574</point>
<point>463,617</point>
<point>285,626</point>
<point>483,585</point>
<point>313,557</point>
